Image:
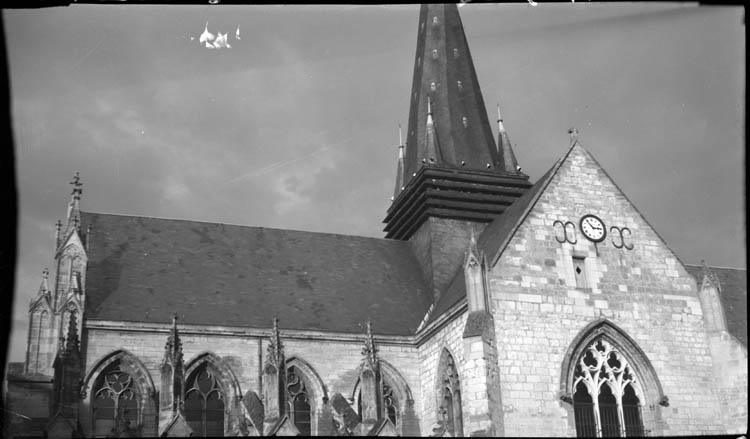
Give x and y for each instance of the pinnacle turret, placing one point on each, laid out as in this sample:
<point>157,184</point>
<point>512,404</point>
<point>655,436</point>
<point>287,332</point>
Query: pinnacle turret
<point>446,100</point>
<point>44,287</point>
<point>72,342</point>
<point>275,351</point>
<point>370,351</point>
<point>173,346</point>
<point>506,158</point>
<point>74,209</point>
<point>452,168</point>
<point>400,166</point>
<point>433,153</point>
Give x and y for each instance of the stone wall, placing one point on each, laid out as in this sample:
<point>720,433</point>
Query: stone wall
<point>335,360</point>
<point>449,337</point>
<point>645,291</point>
<point>730,372</point>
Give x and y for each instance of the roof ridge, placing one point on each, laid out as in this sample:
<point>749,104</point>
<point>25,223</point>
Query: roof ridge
<point>241,225</point>
<point>717,266</point>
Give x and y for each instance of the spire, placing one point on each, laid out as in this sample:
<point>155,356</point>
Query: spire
<point>74,210</point>
<point>445,80</point>
<point>371,384</point>
<point>370,351</point>
<point>573,131</point>
<point>275,352</point>
<point>473,243</point>
<point>506,158</point>
<point>172,394</point>
<point>452,169</point>
<point>173,347</point>
<point>431,141</point>
<point>44,287</point>
<point>400,166</point>
<point>58,227</point>
<point>72,343</point>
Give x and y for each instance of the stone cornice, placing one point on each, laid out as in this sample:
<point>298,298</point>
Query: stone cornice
<point>287,334</point>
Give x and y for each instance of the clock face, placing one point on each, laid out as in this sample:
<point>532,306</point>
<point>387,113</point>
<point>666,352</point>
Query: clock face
<point>593,228</point>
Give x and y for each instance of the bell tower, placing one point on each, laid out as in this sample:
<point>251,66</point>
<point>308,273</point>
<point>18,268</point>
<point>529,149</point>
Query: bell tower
<point>452,178</point>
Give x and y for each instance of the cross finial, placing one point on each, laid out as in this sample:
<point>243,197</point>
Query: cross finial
<point>45,274</point>
<point>174,320</point>
<point>573,131</point>
<point>77,186</point>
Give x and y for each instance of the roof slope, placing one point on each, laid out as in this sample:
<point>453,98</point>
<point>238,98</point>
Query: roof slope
<point>146,269</point>
<point>733,296</point>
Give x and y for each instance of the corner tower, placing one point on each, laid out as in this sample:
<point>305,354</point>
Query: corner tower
<point>455,178</point>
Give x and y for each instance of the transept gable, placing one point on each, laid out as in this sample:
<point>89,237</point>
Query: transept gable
<point>536,201</point>
<point>578,186</point>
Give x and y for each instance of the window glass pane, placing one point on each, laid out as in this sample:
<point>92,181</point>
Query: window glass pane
<point>129,409</point>
<point>104,427</point>
<point>631,411</point>
<point>608,412</point>
<point>302,414</point>
<point>583,409</point>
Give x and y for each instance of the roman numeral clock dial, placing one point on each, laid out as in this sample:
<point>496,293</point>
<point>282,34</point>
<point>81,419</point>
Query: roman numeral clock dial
<point>593,228</point>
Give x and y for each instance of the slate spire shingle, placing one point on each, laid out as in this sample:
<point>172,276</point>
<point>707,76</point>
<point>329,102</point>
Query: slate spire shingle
<point>444,75</point>
<point>452,169</point>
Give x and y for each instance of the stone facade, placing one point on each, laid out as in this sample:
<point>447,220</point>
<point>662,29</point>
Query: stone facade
<point>539,311</point>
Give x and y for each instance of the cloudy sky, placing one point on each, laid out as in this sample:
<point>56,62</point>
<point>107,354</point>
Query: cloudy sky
<point>295,126</point>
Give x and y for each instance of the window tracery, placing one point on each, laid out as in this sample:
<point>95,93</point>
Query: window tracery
<point>299,402</point>
<point>116,403</point>
<point>450,396</point>
<point>605,400</point>
<point>204,403</point>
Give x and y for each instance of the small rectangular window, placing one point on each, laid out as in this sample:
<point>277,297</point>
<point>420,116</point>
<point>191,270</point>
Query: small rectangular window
<point>579,270</point>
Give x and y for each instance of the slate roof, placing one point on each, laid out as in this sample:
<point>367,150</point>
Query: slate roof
<point>733,296</point>
<point>443,60</point>
<point>145,269</point>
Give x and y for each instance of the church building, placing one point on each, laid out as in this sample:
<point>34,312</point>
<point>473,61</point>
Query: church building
<point>493,306</point>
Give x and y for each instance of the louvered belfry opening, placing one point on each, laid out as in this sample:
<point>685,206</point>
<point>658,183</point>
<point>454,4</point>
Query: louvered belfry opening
<point>452,167</point>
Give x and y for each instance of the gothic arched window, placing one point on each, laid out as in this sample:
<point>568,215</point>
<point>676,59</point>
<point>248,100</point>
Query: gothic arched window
<point>450,395</point>
<point>204,403</point>
<point>299,402</point>
<point>115,402</point>
<point>605,401</point>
